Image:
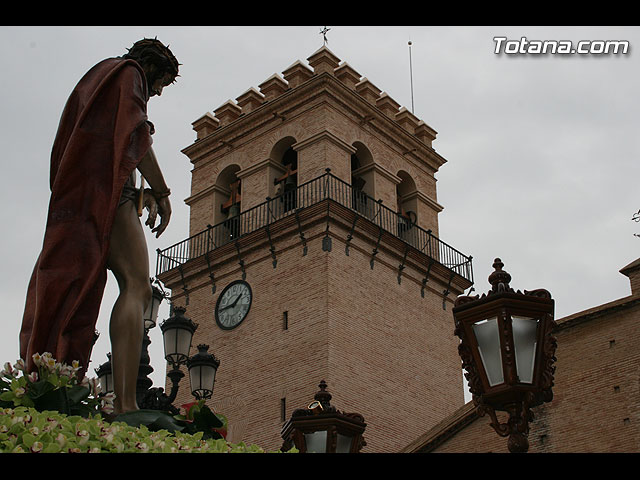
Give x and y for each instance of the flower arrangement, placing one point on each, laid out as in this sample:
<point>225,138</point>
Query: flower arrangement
<point>51,410</point>
<point>53,387</point>
<point>25,430</point>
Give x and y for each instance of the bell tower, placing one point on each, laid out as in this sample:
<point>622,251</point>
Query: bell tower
<point>314,254</point>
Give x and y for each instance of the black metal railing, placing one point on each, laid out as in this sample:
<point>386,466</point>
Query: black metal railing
<point>325,187</point>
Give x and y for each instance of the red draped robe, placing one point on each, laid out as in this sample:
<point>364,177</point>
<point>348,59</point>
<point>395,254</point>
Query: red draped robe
<point>102,136</point>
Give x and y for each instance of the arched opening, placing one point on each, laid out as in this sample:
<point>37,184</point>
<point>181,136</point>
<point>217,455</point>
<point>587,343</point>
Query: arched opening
<point>287,183</point>
<point>361,180</point>
<point>406,194</point>
<point>228,200</point>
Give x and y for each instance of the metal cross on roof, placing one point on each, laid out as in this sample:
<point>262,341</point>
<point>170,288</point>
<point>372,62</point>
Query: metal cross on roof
<point>323,32</point>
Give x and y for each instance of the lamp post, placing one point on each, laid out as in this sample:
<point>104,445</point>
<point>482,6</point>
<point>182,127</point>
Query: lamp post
<point>507,349</point>
<point>144,392</point>
<point>320,428</point>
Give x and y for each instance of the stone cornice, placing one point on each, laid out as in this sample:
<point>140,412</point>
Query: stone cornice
<point>378,169</point>
<point>425,199</point>
<point>259,166</point>
<point>324,83</point>
<point>203,193</point>
<point>324,135</point>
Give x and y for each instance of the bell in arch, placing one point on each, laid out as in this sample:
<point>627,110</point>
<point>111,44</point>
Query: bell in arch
<point>234,210</point>
<point>289,184</point>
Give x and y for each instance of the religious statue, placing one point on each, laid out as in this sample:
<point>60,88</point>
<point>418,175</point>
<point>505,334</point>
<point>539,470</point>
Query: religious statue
<point>93,221</point>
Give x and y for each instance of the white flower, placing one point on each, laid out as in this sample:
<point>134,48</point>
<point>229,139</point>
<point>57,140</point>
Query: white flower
<point>37,359</point>
<point>20,365</point>
<point>75,365</point>
<point>7,371</point>
<point>106,402</point>
<point>159,443</point>
<point>94,386</point>
<point>142,446</point>
<point>65,370</point>
<point>36,447</point>
<point>45,360</point>
<point>83,437</point>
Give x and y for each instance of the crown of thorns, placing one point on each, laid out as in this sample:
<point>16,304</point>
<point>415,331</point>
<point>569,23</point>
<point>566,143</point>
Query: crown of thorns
<point>138,49</point>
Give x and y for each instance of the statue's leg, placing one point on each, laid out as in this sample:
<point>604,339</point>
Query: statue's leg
<point>129,262</point>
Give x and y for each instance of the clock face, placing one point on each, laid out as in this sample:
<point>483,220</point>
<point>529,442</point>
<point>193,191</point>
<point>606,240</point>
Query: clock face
<point>233,305</point>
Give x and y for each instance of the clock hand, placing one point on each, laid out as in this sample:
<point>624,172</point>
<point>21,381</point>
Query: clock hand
<point>236,300</point>
<point>231,305</point>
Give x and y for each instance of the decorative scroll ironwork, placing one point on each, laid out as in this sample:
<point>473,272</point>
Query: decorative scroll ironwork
<point>401,266</point>
<point>350,236</point>
<point>241,261</point>
<point>301,234</point>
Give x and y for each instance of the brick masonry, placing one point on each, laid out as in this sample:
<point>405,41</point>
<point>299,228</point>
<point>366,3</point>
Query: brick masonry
<point>383,348</point>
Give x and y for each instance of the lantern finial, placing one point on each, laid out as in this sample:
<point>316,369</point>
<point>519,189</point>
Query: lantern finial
<point>499,279</point>
<point>323,396</point>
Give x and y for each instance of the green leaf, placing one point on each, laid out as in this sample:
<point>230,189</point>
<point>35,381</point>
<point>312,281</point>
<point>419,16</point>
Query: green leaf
<point>77,394</point>
<point>24,400</point>
<point>28,439</point>
<point>7,396</point>
<point>154,420</point>
<point>206,419</point>
<point>40,388</point>
<point>53,400</point>
<point>53,447</point>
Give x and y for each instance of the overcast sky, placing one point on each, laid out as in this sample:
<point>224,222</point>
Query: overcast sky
<point>542,150</point>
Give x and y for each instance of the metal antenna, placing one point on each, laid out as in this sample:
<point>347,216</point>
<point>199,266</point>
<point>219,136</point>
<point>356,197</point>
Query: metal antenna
<point>411,76</point>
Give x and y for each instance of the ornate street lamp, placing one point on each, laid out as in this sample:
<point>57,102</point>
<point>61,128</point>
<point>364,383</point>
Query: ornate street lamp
<point>507,349</point>
<point>177,332</point>
<point>320,428</point>
<point>202,372</point>
<point>105,375</point>
<point>151,315</point>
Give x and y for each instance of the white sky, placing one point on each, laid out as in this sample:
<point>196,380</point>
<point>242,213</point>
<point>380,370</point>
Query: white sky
<point>542,150</point>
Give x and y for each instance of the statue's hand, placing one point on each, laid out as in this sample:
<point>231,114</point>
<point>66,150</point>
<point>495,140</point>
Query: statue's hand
<point>164,209</point>
<point>151,205</point>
